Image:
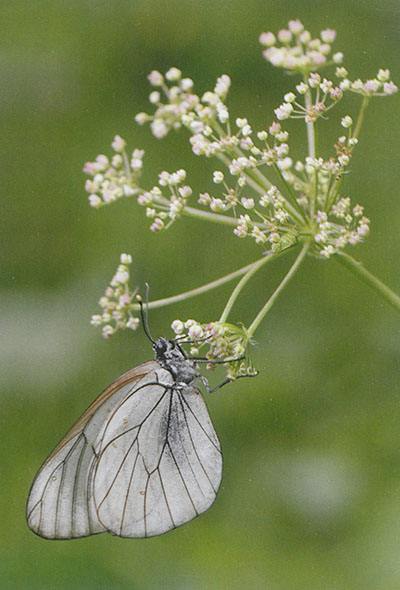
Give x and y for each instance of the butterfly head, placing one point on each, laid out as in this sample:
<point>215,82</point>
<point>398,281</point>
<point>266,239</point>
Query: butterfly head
<point>168,350</point>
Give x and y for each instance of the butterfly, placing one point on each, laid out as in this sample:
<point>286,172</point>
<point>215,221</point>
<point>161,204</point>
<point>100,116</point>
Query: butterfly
<point>142,460</point>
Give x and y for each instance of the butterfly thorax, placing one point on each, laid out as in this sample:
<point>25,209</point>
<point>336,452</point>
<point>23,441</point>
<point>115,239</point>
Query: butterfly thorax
<point>172,358</point>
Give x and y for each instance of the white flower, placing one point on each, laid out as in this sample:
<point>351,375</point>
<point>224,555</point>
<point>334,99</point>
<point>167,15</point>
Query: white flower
<point>338,58</point>
<point>247,203</point>
<point>383,75</point>
<point>107,331</point>
<point>302,88</point>
<point>345,84</point>
<point>177,326</point>
<point>290,97</point>
<point>95,201</point>
<point>195,332</point>
<point>186,84</point>
<point>285,164</point>
<point>204,199</point>
<point>284,36</point>
<point>222,86</point>
<point>155,78</point>
<point>262,135</point>
<point>142,118</point>
<point>126,259</point>
<point>328,35</point>
<point>267,39</point>
<point>341,72</point>
<point>157,225</point>
<point>390,88</point>
<point>159,128</point>
<point>284,111</point>
<point>217,205</point>
<point>372,86</point>
<point>155,97</point>
<point>218,177</point>
<point>173,74</point>
<point>296,27</point>
<point>96,320</point>
<point>347,121</point>
<point>118,144</point>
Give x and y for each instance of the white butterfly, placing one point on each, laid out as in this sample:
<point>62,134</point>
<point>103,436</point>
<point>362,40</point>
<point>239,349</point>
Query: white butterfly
<point>143,459</point>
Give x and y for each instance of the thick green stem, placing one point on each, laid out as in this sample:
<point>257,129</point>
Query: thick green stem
<point>357,268</point>
<point>244,280</point>
<point>203,289</point>
<point>265,309</point>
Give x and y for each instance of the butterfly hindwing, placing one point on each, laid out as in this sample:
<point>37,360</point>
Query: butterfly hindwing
<point>60,503</point>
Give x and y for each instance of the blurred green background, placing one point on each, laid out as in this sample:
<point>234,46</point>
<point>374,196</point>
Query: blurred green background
<point>311,491</point>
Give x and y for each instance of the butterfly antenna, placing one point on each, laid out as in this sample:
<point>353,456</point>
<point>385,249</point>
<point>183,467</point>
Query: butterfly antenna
<point>144,314</point>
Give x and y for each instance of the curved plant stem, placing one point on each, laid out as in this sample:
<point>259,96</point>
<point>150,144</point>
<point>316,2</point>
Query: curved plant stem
<point>357,268</point>
<point>265,309</point>
<point>244,280</point>
<point>204,288</point>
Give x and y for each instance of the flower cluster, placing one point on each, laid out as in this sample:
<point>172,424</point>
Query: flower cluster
<point>346,225</point>
<point>295,50</point>
<point>263,188</point>
<point>112,179</point>
<point>116,303</point>
<point>224,342</point>
<point>181,106</point>
<point>381,85</point>
<point>163,209</point>
<point>322,95</point>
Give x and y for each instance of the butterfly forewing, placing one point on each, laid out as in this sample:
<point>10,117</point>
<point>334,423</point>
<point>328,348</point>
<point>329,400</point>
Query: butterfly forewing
<point>158,467</point>
<point>60,503</point>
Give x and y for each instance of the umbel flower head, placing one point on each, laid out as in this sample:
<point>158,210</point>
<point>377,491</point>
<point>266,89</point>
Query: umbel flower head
<point>261,190</point>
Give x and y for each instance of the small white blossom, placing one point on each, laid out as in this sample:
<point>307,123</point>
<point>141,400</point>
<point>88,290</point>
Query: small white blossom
<point>118,144</point>
<point>338,57</point>
<point>328,35</point>
<point>177,326</point>
<point>290,97</point>
<point>126,259</point>
<point>284,111</point>
<point>155,78</point>
<point>267,39</point>
<point>248,203</point>
<point>218,177</point>
<point>347,122</point>
<point>173,75</point>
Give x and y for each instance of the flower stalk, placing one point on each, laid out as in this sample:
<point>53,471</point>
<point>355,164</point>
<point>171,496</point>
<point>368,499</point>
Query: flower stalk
<point>358,269</point>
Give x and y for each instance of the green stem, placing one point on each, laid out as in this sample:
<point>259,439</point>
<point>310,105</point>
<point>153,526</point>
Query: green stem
<point>361,115</point>
<point>255,267</point>
<point>203,215</point>
<point>310,128</point>
<point>357,268</point>
<point>203,289</point>
<point>265,309</point>
<point>357,129</point>
<point>207,216</point>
